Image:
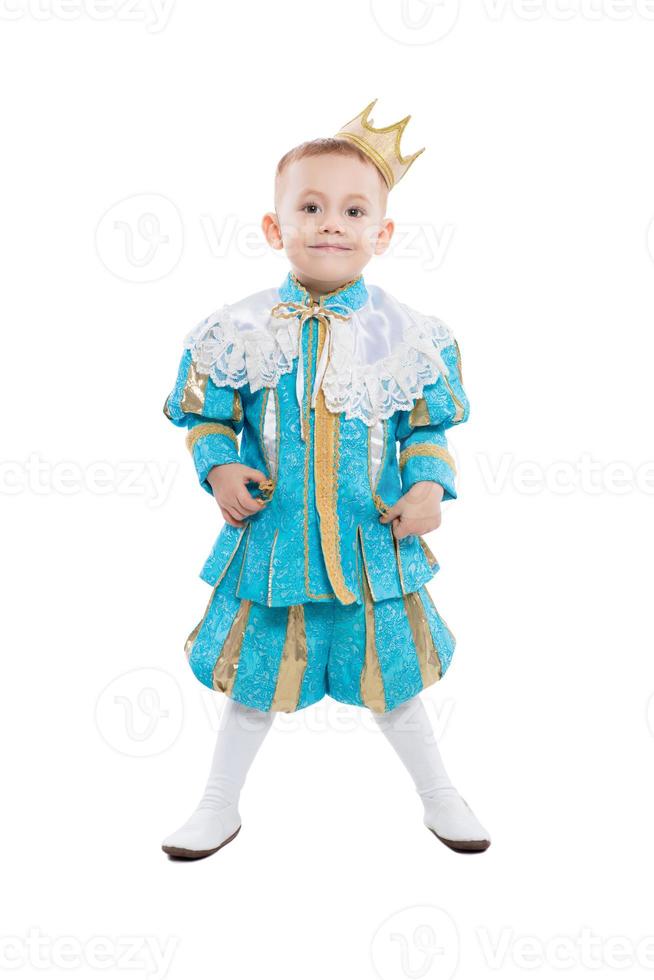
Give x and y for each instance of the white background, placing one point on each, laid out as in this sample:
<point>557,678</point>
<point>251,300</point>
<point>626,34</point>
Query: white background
<point>139,152</point>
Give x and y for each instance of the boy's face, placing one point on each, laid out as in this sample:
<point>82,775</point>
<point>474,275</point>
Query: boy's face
<point>329,218</point>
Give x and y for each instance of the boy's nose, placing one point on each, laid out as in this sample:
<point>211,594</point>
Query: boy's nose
<point>331,224</point>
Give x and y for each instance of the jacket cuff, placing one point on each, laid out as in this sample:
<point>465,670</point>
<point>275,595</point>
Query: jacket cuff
<point>426,461</point>
<point>212,444</point>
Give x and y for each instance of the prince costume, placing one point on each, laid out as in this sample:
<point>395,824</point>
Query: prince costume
<point>344,404</point>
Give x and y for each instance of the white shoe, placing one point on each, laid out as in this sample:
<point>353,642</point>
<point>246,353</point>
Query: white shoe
<point>450,818</point>
<point>204,833</point>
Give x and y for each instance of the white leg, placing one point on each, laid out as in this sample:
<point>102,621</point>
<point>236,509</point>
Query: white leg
<point>408,729</point>
<point>216,820</point>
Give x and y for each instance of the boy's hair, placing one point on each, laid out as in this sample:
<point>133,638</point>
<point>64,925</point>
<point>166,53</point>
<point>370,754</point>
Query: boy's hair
<point>321,147</point>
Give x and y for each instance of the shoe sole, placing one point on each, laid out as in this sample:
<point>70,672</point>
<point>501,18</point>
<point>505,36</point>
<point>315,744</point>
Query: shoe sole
<point>185,852</point>
<point>463,846</point>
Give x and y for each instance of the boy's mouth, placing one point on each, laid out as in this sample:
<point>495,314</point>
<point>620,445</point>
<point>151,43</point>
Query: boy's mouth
<point>331,248</point>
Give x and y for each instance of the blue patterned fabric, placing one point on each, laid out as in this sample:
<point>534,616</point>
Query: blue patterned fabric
<point>282,560</point>
<point>335,636</point>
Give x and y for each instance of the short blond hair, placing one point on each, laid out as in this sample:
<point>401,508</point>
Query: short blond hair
<point>322,147</point>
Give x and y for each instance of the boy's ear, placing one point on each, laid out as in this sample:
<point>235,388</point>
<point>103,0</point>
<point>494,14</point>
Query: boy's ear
<point>271,230</point>
<point>385,234</point>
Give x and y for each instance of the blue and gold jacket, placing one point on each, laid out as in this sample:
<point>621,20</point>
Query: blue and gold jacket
<point>343,403</point>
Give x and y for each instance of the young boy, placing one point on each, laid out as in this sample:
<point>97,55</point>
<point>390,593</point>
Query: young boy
<point>319,572</point>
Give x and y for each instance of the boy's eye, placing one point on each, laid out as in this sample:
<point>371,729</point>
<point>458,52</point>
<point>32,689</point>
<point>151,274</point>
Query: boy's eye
<point>311,208</point>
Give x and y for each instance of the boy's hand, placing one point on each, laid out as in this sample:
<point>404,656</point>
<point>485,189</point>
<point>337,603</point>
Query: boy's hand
<point>418,511</point>
<point>234,499</point>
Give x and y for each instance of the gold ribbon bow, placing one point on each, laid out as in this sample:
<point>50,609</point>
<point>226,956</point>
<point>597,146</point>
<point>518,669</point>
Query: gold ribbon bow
<point>305,311</point>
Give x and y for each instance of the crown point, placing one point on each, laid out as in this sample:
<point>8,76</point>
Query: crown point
<point>380,144</point>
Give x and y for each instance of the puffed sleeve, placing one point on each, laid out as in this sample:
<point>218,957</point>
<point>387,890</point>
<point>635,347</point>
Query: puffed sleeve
<point>212,414</point>
<point>424,453</point>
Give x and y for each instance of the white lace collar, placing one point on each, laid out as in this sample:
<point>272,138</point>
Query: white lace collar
<point>381,358</point>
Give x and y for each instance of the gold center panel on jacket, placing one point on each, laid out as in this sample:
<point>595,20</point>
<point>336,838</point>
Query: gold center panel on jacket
<point>326,467</point>
<point>306,409</point>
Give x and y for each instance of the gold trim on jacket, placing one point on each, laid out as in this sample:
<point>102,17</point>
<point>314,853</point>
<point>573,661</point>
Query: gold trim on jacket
<point>326,445</point>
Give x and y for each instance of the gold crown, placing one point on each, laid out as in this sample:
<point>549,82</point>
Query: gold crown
<point>382,146</point>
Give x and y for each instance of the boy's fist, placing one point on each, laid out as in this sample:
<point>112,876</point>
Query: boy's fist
<point>417,511</point>
<point>234,499</point>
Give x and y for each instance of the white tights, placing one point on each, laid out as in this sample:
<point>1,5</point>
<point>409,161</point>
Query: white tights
<point>409,731</point>
<point>241,733</point>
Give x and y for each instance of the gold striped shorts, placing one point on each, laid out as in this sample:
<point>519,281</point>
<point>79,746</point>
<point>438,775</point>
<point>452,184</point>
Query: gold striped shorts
<point>284,658</point>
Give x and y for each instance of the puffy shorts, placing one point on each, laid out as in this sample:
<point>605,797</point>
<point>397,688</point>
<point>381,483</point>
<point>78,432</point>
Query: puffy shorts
<point>284,658</point>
